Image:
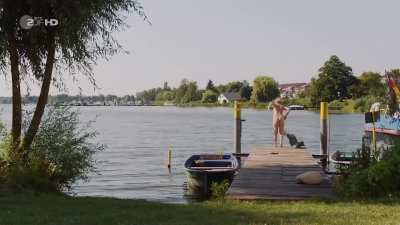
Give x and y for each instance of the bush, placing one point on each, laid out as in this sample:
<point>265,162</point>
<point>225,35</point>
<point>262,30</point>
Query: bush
<point>375,174</point>
<point>218,189</point>
<point>60,155</point>
<point>209,97</point>
<point>363,104</point>
<point>297,101</point>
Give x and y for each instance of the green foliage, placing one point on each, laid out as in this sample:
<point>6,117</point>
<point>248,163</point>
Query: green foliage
<point>337,103</point>
<point>3,130</point>
<point>211,87</point>
<point>363,104</point>
<point>304,101</point>
<point>265,89</point>
<point>187,92</point>
<point>373,174</point>
<point>371,83</point>
<point>242,87</point>
<point>245,90</point>
<point>149,96</point>
<point>345,106</point>
<point>62,153</point>
<point>165,96</point>
<point>333,83</point>
<point>218,189</point>
<point>209,96</point>
<point>234,86</point>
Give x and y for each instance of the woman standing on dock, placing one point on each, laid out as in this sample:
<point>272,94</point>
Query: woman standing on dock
<point>280,113</point>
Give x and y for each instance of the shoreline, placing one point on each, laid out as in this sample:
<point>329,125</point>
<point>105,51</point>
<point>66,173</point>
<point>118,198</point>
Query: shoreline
<point>244,106</point>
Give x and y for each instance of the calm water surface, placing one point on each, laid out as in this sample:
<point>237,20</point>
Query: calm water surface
<point>138,138</point>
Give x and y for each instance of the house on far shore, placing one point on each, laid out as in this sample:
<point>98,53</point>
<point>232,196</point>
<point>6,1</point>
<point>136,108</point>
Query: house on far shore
<point>228,97</point>
<point>292,90</point>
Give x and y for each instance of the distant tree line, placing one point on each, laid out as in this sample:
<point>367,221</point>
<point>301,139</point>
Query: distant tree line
<point>264,89</point>
<point>64,98</point>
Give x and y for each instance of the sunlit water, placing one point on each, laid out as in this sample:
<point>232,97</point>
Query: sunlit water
<point>134,164</point>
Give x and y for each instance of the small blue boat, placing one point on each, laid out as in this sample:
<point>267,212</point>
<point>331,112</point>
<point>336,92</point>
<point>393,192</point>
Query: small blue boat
<point>204,169</point>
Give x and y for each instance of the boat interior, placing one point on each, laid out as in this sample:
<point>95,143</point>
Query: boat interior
<point>211,162</point>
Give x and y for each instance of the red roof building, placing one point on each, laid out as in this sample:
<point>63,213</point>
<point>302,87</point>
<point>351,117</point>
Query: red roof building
<point>292,90</point>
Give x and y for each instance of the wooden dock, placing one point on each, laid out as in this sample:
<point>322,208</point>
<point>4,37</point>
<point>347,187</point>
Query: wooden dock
<point>270,174</point>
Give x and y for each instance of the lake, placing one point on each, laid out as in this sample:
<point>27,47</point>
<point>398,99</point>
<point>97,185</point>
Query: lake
<point>134,164</point>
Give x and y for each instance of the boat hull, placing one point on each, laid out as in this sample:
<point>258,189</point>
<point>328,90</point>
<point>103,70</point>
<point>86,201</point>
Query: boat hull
<point>204,170</point>
<point>199,183</point>
<point>387,132</point>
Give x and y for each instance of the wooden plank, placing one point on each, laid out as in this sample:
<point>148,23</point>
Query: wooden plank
<point>270,173</point>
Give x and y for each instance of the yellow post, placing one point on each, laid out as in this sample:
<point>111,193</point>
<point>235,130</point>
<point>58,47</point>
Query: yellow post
<point>324,133</point>
<point>373,131</point>
<point>169,158</point>
<point>237,110</point>
<point>238,127</point>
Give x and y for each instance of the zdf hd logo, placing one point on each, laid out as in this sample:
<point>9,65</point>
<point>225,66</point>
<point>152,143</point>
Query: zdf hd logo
<point>27,22</point>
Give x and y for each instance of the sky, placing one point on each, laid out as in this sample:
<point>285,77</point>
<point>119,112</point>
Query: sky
<point>227,40</point>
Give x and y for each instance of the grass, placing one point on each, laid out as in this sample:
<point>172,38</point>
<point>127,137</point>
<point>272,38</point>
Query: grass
<point>46,209</point>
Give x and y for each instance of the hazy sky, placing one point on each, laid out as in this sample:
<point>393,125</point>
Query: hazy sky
<point>226,40</point>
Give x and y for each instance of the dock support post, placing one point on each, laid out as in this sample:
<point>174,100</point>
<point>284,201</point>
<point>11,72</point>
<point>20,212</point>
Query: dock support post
<point>324,134</point>
<point>237,128</point>
<point>169,158</point>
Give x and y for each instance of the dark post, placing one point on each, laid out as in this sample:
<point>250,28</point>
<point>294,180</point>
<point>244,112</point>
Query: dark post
<point>237,128</point>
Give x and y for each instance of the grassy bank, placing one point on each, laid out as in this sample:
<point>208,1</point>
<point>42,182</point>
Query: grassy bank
<point>52,209</point>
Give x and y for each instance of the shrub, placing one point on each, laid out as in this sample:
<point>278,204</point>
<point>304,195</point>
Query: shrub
<point>218,189</point>
<point>209,97</point>
<point>337,103</point>
<point>363,104</point>
<point>60,155</point>
<point>304,101</point>
<point>373,174</point>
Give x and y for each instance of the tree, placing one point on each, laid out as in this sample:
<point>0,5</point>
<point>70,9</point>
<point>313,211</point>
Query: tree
<point>234,86</point>
<point>165,96</point>
<point>168,95</point>
<point>245,90</point>
<point>394,73</point>
<point>181,90</point>
<point>221,88</point>
<point>166,87</point>
<point>187,92</point>
<point>333,83</point>
<point>149,96</point>
<point>128,98</point>
<point>191,93</point>
<point>210,86</point>
<point>83,35</point>
<point>102,98</point>
<point>265,89</point>
<point>209,96</point>
<point>371,84</point>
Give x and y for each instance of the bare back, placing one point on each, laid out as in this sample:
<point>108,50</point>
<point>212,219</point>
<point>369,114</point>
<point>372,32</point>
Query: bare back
<point>278,112</point>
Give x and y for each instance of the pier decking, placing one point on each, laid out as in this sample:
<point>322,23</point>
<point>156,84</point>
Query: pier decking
<point>270,173</point>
